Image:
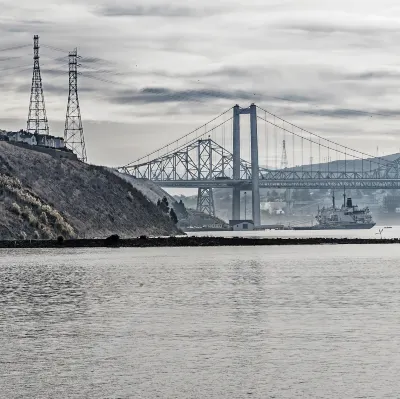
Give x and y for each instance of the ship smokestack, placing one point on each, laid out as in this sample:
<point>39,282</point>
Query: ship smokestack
<point>349,203</point>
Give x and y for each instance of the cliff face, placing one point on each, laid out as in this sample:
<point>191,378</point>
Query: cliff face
<point>43,197</point>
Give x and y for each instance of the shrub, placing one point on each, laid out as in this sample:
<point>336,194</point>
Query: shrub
<point>15,208</point>
<point>43,218</point>
<point>112,240</point>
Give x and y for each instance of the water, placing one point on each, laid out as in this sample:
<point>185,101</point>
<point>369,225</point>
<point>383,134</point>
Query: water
<point>263,322</point>
<point>374,233</point>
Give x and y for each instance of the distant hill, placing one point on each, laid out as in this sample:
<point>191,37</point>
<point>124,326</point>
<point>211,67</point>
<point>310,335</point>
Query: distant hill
<point>43,197</point>
<point>351,165</point>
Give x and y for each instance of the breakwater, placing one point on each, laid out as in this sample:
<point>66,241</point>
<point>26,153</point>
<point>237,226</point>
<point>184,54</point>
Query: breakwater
<point>192,241</point>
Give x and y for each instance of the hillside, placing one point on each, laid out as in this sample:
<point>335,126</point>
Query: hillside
<point>154,192</point>
<point>43,197</point>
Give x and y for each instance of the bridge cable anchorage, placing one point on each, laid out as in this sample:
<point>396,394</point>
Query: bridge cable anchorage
<point>195,131</point>
<point>325,146</point>
<point>316,135</point>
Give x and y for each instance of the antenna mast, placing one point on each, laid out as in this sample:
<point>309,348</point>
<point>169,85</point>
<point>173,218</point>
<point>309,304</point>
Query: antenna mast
<point>73,133</point>
<point>37,119</point>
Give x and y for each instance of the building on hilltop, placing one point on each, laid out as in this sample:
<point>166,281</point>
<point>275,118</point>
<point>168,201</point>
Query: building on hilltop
<point>34,139</point>
<point>22,137</point>
<point>46,140</point>
<point>3,136</point>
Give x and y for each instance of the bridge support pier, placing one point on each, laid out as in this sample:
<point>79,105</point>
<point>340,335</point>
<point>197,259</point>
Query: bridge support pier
<point>236,162</point>
<point>255,182</point>
<point>236,203</point>
<point>205,201</point>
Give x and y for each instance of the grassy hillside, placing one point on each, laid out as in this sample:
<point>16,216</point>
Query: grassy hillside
<point>43,197</point>
<point>154,193</point>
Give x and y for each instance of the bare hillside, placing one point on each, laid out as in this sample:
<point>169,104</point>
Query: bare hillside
<point>43,197</point>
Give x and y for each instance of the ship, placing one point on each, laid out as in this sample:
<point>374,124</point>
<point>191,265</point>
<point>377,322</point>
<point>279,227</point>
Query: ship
<point>347,217</point>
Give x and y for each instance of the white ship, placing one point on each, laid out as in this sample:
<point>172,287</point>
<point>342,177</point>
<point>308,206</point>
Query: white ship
<point>349,216</point>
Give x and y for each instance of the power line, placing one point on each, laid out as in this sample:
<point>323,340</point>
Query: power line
<point>55,48</point>
<point>15,47</point>
<point>10,58</point>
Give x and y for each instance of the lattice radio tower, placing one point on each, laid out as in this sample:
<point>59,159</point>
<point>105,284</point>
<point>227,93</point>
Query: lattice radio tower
<point>73,133</point>
<point>284,159</point>
<point>37,119</point>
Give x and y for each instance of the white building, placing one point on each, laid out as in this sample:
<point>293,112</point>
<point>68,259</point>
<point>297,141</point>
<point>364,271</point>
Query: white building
<point>22,137</point>
<point>41,140</point>
<point>45,140</point>
<point>241,225</point>
<point>59,142</point>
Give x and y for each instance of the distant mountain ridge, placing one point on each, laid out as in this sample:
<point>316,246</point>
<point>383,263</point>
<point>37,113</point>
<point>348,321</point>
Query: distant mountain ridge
<point>351,165</point>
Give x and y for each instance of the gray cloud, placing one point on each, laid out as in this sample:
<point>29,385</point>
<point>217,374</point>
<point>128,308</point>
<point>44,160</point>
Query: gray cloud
<point>373,75</point>
<point>154,11</point>
<point>165,95</point>
<point>347,113</point>
<point>327,26</point>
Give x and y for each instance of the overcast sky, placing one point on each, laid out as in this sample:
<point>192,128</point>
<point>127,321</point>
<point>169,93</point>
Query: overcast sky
<point>164,68</point>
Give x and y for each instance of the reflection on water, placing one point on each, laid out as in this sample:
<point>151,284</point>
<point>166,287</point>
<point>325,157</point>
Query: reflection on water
<point>275,322</point>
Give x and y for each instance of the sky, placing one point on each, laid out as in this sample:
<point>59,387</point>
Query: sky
<point>152,70</point>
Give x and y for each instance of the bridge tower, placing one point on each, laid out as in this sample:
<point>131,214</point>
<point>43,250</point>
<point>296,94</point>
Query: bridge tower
<point>37,119</point>
<point>236,163</point>
<point>255,183</point>
<point>284,165</point>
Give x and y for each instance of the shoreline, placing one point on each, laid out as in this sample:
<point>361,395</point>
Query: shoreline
<point>192,241</point>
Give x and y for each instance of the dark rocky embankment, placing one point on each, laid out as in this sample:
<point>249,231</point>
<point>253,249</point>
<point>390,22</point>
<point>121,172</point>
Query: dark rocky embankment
<point>43,197</point>
<point>143,242</point>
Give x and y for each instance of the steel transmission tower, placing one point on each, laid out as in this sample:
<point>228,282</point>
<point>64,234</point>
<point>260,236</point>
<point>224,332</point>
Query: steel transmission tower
<point>284,159</point>
<point>73,133</point>
<point>37,119</point>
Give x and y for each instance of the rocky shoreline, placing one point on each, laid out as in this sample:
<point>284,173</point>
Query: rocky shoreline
<point>193,241</point>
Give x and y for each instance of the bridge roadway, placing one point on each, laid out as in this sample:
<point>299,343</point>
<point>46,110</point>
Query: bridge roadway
<point>366,183</point>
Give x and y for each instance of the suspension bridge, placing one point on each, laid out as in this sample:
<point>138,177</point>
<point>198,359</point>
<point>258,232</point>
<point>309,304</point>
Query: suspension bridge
<point>214,156</point>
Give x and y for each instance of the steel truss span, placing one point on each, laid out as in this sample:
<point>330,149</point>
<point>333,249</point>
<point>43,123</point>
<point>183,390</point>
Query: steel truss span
<point>205,164</point>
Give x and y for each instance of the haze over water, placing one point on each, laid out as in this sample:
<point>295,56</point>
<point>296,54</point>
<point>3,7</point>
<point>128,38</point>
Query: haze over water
<point>259,322</point>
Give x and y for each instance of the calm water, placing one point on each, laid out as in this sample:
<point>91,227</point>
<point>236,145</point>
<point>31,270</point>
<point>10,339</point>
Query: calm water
<point>374,233</point>
<point>279,322</point>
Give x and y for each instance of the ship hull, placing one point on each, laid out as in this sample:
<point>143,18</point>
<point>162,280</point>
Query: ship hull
<point>354,226</point>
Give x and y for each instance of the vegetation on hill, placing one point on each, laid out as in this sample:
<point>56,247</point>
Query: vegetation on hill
<point>45,197</point>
